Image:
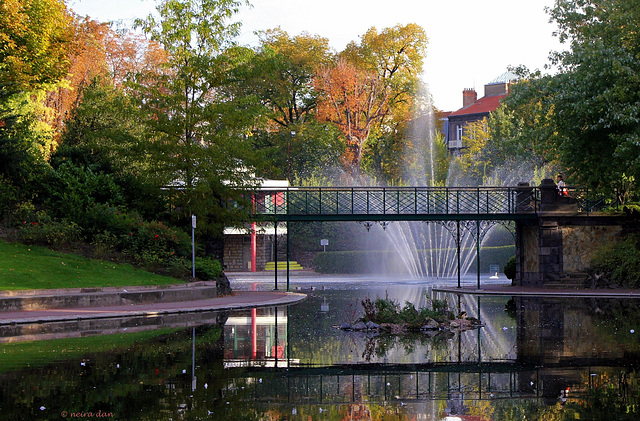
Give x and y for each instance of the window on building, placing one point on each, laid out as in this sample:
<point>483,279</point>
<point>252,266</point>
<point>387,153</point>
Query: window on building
<point>459,132</point>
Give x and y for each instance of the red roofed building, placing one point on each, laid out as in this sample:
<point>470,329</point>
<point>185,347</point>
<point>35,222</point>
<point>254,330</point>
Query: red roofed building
<point>474,109</point>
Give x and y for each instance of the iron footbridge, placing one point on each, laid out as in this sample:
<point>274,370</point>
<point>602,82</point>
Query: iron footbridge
<point>397,203</point>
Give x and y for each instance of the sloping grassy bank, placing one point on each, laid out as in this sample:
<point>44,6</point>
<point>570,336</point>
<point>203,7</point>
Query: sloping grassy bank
<point>33,267</point>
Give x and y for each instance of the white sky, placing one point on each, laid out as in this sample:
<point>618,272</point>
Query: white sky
<point>471,42</point>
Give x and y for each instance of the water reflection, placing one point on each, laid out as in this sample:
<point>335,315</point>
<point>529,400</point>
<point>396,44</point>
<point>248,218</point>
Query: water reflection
<point>535,358</point>
<point>257,338</point>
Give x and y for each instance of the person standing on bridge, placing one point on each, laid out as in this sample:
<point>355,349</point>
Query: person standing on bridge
<point>562,186</point>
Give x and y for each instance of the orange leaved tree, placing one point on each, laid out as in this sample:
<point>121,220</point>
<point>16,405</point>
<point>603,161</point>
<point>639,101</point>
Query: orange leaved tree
<point>354,100</point>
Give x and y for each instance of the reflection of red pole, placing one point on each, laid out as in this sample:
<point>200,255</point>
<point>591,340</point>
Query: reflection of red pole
<point>254,334</point>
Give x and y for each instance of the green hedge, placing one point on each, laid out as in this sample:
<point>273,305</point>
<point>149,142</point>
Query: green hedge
<point>386,261</point>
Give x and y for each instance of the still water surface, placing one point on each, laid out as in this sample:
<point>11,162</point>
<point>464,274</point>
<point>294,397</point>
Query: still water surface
<point>534,358</point>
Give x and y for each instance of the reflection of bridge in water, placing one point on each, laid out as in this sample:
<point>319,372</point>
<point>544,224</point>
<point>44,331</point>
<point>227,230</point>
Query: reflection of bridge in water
<point>480,365</point>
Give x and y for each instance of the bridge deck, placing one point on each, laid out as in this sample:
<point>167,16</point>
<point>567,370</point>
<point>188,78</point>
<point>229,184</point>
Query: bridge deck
<point>397,203</point>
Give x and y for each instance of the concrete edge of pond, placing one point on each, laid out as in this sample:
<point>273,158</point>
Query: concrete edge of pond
<point>541,292</point>
<point>239,300</point>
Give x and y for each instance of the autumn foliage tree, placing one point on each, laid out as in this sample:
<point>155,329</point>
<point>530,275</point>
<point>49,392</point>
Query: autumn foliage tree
<point>371,85</point>
<point>354,100</point>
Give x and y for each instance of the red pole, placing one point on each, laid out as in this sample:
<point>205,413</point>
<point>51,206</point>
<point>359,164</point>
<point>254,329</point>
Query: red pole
<point>254,247</point>
<point>254,239</point>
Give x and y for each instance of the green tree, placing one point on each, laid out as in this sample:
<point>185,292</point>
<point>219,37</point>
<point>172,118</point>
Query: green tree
<point>281,74</point>
<point>290,142</point>
<point>587,114</point>
<point>198,131</point>
<point>35,38</point>
<point>104,135</point>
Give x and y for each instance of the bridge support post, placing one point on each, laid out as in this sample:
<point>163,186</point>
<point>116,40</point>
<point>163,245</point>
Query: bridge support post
<point>478,253</point>
<point>288,254</point>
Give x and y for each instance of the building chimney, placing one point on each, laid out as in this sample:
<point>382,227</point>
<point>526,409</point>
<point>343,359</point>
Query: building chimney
<point>469,96</point>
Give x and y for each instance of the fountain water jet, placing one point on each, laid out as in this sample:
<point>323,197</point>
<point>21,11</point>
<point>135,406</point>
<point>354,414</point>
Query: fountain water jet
<point>429,250</point>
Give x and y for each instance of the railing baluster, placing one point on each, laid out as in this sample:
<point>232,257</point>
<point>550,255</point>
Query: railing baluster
<point>367,201</point>
<point>352,211</point>
<point>446,196</point>
<point>384,201</point>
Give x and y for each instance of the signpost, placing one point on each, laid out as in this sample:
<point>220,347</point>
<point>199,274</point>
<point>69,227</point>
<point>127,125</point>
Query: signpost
<point>324,243</point>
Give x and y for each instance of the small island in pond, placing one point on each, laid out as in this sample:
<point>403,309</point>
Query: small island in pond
<point>386,316</point>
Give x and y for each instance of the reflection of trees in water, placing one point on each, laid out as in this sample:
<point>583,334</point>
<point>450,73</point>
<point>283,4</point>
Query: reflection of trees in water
<point>617,320</point>
<point>608,394</point>
<point>151,376</point>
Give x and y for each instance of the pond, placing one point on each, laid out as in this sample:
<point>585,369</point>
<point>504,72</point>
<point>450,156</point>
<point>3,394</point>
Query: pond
<point>533,358</point>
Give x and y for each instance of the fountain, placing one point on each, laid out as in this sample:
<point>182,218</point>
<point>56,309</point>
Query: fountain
<point>429,249</point>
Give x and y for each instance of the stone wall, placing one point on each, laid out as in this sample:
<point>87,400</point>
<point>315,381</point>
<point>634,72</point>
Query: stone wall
<point>237,252</point>
<point>561,244</point>
<point>233,254</point>
<point>580,242</point>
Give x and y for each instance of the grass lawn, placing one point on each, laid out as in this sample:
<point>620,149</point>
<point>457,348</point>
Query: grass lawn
<point>32,267</point>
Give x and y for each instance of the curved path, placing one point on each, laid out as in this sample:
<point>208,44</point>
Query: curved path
<point>236,301</point>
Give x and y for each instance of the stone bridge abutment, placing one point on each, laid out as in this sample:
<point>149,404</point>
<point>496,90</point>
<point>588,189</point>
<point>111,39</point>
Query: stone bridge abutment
<point>556,249</point>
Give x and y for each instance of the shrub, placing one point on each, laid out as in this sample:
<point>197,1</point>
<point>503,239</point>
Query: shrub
<point>510,268</point>
<point>340,262</point>
<point>8,195</point>
<point>617,264</point>
<point>43,230</point>
<point>75,190</point>
<point>24,212</point>
<point>385,310</point>
<point>208,268</point>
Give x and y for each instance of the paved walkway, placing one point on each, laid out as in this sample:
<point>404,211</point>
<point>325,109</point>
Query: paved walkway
<point>238,300</point>
<point>541,292</point>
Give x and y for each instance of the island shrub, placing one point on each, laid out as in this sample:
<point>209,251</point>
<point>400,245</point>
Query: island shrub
<point>386,310</point>
<point>617,264</point>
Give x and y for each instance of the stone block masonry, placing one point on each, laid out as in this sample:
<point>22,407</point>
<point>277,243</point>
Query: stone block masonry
<point>562,244</point>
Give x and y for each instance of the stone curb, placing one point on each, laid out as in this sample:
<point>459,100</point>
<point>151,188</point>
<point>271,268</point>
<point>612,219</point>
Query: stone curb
<point>101,299</point>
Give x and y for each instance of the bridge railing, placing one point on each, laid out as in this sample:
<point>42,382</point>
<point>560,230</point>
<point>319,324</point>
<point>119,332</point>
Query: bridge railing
<point>396,201</point>
<point>589,201</point>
